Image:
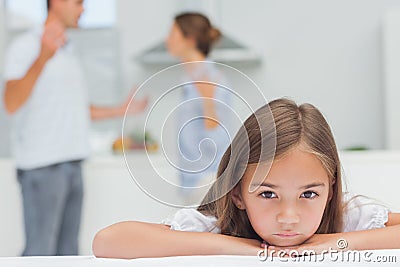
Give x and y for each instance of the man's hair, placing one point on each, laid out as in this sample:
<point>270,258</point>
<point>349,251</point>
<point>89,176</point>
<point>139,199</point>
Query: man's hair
<point>48,5</point>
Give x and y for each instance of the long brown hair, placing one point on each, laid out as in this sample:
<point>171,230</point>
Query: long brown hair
<point>198,26</point>
<point>292,125</point>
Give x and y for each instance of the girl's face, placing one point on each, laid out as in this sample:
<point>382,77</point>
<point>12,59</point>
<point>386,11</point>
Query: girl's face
<point>177,44</point>
<point>287,206</point>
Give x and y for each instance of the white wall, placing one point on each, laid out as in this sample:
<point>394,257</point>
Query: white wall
<point>391,43</point>
<point>2,34</point>
<point>140,24</point>
<point>4,121</point>
<point>327,52</point>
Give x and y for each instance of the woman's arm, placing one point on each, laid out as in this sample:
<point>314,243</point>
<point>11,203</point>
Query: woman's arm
<point>131,239</point>
<point>209,110</point>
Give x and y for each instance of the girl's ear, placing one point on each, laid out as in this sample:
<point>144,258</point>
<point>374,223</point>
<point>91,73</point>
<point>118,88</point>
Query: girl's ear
<point>237,198</point>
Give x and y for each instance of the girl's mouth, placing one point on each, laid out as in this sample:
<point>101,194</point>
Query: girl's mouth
<point>287,234</point>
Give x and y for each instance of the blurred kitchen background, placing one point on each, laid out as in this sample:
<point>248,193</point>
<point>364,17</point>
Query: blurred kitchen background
<point>330,53</point>
<point>341,55</point>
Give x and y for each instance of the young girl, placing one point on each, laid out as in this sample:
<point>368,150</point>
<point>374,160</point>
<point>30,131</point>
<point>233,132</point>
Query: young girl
<point>284,191</point>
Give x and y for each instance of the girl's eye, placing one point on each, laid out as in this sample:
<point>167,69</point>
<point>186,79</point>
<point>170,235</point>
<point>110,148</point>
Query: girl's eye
<point>309,194</point>
<point>268,194</point>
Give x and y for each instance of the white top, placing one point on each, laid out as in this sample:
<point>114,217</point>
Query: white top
<point>361,213</point>
<point>52,125</point>
<point>196,157</point>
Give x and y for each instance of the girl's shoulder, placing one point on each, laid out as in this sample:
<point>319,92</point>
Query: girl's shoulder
<point>191,220</point>
<point>362,213</point>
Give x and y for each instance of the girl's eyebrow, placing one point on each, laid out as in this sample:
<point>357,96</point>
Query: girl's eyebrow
<point>314,184</point>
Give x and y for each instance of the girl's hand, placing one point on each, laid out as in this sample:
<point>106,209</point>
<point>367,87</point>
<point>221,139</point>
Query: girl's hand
<point>317,244</point>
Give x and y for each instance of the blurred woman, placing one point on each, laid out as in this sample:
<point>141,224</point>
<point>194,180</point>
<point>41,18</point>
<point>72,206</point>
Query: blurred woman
<point>203,119</point>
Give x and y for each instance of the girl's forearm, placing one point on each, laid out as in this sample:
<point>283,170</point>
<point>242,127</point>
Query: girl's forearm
<point>382,238</point>
<point>130,240</point>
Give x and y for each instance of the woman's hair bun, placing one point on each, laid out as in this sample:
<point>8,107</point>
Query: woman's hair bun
<point>215,34</point>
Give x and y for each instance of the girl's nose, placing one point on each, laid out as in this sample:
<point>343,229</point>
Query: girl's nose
<point>288,215</point>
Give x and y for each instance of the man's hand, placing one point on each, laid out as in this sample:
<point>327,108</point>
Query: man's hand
<point>130,107</point>
<point>135,106</point>
<point>52,39</point>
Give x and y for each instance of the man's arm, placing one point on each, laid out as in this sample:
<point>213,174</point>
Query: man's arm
<point>130,107</point>
<point>18,91</point>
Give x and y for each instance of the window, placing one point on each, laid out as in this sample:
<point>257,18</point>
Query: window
<point>25,13</point>
<point>98,14</point>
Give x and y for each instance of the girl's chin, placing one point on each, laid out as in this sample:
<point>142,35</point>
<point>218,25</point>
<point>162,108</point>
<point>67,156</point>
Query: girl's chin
<point>285,243</point>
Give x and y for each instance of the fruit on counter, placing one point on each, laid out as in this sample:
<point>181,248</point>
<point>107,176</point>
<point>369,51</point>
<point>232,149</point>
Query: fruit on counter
<point>135,141</point>
<point>121,143</point>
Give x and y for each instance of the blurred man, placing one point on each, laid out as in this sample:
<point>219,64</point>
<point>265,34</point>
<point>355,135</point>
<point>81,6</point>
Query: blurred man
<point>46,94</point>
